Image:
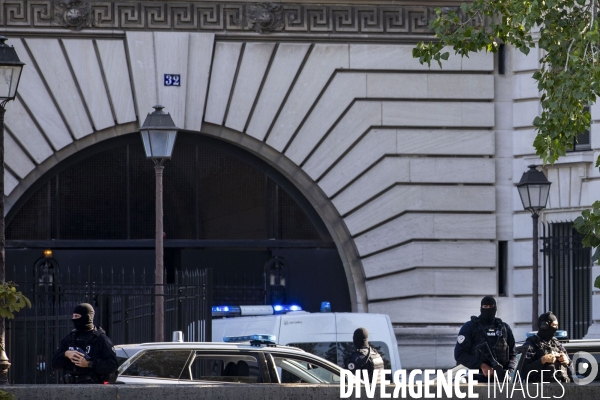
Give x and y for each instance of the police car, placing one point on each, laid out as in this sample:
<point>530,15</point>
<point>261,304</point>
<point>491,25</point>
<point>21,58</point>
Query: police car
<point>238,360</point>
<point>326,334</point>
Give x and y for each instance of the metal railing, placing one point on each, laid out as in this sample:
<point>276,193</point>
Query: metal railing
<point>123,300</point>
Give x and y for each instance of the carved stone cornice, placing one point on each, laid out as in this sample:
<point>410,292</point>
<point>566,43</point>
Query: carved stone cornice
<point>216,17</point>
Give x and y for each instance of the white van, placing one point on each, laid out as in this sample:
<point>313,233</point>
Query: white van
<point>327,335</point>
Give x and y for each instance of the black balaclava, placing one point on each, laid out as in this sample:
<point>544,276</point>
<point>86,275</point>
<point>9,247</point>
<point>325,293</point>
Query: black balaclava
<point>488,314</point>
<point>360,338</point>
<point>86,322</point>
<point>547,333</point>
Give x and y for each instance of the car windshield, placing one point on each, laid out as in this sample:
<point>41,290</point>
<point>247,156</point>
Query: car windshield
<point>124,353</point>
<point>295,370</point>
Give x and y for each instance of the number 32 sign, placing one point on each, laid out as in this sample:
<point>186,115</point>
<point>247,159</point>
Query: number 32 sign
<point>172,80</point>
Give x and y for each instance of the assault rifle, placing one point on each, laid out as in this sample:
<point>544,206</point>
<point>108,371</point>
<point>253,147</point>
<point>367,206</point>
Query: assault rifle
<point>490,359</point>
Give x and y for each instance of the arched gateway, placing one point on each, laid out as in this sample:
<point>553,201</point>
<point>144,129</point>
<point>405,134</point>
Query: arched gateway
<point>225,209</point>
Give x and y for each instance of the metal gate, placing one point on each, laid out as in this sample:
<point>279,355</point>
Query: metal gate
<point>124,306</point>
<point>567,278</point>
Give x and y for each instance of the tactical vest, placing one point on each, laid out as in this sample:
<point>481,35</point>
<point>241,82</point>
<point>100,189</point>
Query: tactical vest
<point>365,359</point>
<point>78,371</point>
<point>549,347</point>
<point>499,345</point>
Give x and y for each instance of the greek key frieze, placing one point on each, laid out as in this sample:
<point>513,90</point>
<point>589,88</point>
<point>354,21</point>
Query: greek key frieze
<point>27,13</point>
<point>195,16</point>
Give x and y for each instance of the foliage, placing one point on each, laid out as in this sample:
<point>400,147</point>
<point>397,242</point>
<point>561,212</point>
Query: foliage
<point>569,77</point>
<point>7,396</point>
<point>589,224</point>
<point>11,300</point>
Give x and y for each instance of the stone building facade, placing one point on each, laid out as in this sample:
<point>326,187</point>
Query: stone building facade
<point>412,169</point>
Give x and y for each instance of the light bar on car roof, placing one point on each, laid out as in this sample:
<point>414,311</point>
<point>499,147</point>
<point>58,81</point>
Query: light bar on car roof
<point>237,311</point>
<point>560,335</point>
<point>257,338</point>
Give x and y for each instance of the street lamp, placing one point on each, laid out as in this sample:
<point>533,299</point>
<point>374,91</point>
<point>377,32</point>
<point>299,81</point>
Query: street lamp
<point>10,73</point>
<point>534,189</point>
<point>158,135</point>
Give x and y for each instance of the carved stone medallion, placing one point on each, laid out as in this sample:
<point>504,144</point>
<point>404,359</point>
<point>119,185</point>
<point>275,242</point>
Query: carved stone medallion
<point>73,14</point>
<point>264,17</point>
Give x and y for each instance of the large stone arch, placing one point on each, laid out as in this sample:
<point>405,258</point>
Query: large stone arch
<point>396,158</point>
<point>308,188</point>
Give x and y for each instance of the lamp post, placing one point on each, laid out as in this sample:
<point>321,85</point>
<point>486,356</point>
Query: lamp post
<point>158,135</point>
<point>10,73</point>
<point>534,189</point>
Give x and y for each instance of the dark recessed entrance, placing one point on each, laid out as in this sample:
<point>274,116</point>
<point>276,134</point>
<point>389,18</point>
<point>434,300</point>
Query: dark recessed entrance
<point>225,209</point>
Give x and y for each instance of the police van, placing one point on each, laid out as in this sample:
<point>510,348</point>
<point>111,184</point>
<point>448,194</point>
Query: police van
<point>325,334</point>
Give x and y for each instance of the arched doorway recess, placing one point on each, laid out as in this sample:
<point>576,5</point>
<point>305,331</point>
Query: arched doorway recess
<point>225,208</point>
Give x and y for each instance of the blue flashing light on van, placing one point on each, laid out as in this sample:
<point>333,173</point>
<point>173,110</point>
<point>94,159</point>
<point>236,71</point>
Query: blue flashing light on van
<point>279,309</point>
<point>325,306</point>
<point>239,311</point>
<point>226,311</point>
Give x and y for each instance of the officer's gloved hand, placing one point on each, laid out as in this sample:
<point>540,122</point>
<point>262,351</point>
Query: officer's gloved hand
<point>548,358</point>
<point>83,353</point>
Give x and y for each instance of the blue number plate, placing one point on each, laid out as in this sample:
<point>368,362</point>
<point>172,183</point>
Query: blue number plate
<point>172,80</point>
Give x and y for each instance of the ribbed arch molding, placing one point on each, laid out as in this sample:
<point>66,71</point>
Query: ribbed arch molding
<point>402,153</point>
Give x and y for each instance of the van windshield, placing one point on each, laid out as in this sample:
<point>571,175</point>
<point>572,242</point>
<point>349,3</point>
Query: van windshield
<point>337,352</point>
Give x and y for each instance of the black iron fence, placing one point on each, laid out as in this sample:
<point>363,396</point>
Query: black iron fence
<point>567,278</point>
<point>124,303</point>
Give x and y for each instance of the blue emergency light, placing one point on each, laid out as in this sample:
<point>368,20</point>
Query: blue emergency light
<point>241,311</point>
<point>281,309</point>
<point>254,339</point>
<point>226,311</point>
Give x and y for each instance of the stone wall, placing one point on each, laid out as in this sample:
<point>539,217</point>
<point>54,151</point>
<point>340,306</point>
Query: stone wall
<point>268,391</point>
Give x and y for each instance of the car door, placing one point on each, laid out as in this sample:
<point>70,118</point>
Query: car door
<point>225,366</point>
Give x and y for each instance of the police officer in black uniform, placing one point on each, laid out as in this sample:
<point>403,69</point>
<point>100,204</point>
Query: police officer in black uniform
<point>86,354</point>
<point>471,350</point>
<point>546,353</point>
<point>364,357</point>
